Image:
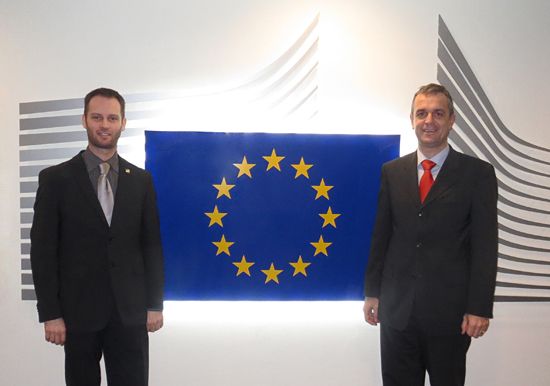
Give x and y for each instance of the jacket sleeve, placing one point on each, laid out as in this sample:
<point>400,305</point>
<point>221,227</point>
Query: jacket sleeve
<point>152,250</point>
<point>44,248</point>
<point>484,244</point>
<point>380,238</point>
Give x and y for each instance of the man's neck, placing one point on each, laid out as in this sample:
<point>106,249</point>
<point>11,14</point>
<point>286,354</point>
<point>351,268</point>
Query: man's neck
<point>103,154</point>
<point>430,152</point>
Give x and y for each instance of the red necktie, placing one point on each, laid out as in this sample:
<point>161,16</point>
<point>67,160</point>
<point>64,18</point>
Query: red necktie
<point>427,180</point>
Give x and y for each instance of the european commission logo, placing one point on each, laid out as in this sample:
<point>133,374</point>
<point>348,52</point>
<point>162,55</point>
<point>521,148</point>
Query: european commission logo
<point>250,216</point>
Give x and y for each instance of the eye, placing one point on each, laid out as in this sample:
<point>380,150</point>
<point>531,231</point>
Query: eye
<point>96,117</point>
<point>439,114</point>
<point>421,114</point>
<point>113,118</point>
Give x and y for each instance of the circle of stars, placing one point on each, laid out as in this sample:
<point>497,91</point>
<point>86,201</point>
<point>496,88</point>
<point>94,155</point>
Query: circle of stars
<point>216,217</point>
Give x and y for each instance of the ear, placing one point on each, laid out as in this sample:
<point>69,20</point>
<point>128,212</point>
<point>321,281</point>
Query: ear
<point>83,121</point>
<point>123,124</point>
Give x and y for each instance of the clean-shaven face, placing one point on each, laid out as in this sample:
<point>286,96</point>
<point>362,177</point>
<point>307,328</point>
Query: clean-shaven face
<point>432,122</point>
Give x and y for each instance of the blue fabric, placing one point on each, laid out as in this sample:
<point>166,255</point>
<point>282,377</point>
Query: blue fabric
<point>272,218</point>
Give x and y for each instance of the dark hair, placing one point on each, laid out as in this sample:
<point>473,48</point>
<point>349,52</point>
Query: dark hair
<point>434,88</point>
<point>107,93</point>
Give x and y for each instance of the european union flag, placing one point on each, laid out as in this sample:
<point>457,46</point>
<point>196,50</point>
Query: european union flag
<point>250,216</point>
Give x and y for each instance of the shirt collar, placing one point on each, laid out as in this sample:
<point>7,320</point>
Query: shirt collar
<point>92,161</point>
<point>439,158</point>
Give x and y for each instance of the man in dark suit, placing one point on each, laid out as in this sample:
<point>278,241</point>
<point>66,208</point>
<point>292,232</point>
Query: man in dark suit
<point>96,254</point>
<point>431,274</point>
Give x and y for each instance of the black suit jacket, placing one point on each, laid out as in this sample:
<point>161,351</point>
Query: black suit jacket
<point>436,259</point>
<point>82,268</point>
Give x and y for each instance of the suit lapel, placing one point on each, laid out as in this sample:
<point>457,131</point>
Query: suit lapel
<point>410,179</point>
<point>124,187</point>
<point>78,168</point>
<point>446,178</point>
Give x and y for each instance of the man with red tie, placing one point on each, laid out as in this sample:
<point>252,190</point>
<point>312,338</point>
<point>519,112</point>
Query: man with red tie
<point>431,274</point>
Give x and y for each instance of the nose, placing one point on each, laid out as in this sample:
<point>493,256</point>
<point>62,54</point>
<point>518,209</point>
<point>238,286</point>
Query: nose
<point>429,118</point>
<point>105,123</point>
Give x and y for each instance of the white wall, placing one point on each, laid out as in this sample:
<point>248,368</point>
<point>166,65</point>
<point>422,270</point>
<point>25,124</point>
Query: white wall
<point>373,55</point>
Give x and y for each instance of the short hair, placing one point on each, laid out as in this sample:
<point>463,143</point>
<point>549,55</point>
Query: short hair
<point>106,93</point>
<point>434,88</point>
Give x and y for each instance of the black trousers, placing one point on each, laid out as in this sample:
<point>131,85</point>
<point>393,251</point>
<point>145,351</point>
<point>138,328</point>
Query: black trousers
<point>407,355</point>
<point>125,350</point>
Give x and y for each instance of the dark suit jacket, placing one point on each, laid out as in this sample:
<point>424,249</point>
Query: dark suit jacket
<point>82,268</point>
<point>436,259</point>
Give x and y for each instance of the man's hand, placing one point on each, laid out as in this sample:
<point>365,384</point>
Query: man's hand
<point>474,326</point>
<point>154,320</point>
<point>55,331</point>
<point>370,309</point>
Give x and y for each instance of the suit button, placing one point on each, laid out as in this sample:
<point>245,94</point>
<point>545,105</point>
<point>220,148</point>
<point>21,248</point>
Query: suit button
<point>419,214</point>
<point>418,245</point>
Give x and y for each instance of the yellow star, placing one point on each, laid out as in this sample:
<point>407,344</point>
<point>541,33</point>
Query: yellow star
<point>244,266</point>
<point>329,217</point>
<point>300,267</point>
<point>215,217</point>
<point>223,246</point>
<point>322,189</point>
<point>302,168</point>
<point>223,189</point>
<point>321,246</point>
<point>272,274</point>
<point>273,160</point>
<point>244,168</point>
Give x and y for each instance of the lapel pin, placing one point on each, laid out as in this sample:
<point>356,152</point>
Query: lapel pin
<point>127,171</point>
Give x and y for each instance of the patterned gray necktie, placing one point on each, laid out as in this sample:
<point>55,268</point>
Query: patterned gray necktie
<point>104,191</point>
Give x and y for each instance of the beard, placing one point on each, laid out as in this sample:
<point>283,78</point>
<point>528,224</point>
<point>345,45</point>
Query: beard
<point>104,143</point>
<point>107,143</point>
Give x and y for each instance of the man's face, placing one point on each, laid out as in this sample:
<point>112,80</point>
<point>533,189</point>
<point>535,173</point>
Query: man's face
<point>103,122</point>
<point>432,122</point>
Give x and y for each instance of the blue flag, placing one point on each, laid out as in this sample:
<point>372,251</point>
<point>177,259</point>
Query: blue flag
<point>250,216</point>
